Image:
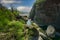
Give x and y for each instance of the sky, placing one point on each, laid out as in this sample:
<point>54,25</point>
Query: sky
<point>21,5</point>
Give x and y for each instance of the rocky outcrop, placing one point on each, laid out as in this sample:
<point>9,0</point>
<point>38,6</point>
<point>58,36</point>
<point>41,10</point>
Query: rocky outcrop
<point>50,31</point>
<point>46,12</point>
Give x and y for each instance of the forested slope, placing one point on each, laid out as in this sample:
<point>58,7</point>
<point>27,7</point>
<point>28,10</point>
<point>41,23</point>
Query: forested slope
<point>10,28</point>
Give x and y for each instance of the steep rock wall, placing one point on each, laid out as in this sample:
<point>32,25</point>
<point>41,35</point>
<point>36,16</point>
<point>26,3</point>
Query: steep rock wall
<point>46,12</point>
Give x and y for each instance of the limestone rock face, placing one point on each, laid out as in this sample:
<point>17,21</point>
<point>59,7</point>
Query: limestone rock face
<point>46,13</point>
<point>50,30</point>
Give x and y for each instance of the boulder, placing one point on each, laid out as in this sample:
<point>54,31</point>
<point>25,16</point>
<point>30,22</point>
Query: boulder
<point>50,31</point>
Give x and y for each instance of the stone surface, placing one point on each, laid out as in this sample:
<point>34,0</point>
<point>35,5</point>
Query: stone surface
<point>46,13</point>
<point>50,31</point>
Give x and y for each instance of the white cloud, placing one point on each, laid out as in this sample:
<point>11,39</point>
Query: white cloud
<point>9,1</point>
<point>24,8</point>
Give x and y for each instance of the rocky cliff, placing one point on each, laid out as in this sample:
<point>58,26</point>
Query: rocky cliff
<point>46,12</point>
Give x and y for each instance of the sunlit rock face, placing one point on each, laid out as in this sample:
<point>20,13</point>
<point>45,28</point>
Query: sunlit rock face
<point>46,13</point>
<point>50,31</point>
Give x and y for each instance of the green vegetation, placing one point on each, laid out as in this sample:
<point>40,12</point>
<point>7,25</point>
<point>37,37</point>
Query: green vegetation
<point>10,29</point>
<point>39,1</point>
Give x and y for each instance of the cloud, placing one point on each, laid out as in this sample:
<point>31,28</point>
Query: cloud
<point>24,8</point>
<point>9,1</point>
